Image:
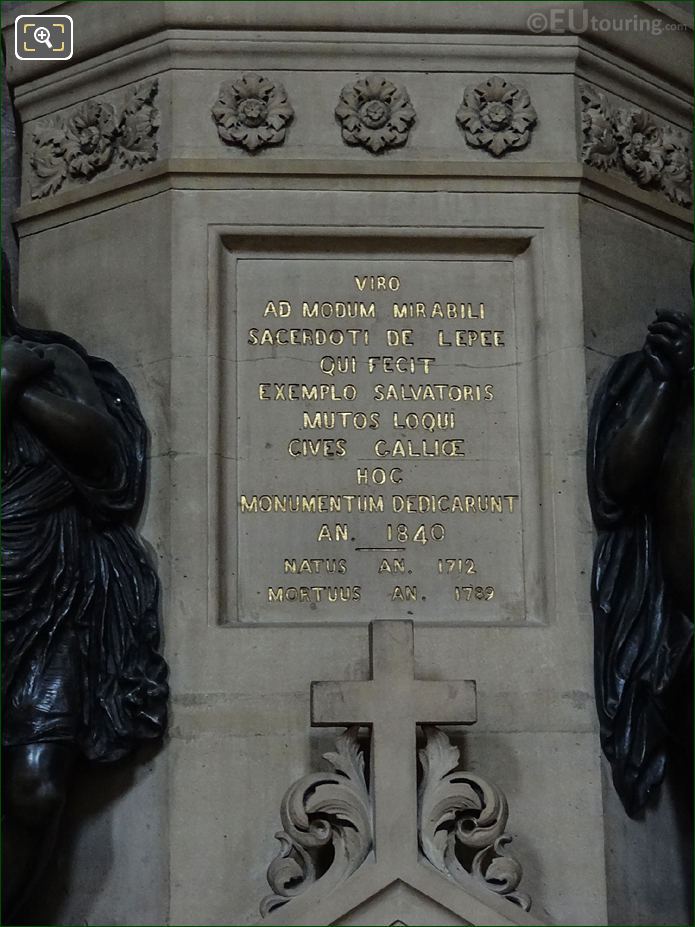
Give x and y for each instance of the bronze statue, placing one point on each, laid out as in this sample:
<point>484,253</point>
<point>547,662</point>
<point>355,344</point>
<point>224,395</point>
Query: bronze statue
<point>641,493</point>
<point>82,674</point>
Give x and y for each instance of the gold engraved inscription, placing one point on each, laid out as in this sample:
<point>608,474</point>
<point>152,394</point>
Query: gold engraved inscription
<point>384,441</point>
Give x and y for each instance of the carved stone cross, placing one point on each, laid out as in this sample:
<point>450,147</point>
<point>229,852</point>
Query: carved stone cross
<point>376,834</point>
<point>392,703</point>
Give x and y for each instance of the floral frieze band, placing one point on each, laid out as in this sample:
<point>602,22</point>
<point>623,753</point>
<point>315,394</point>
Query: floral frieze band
<point>252,112</point>
<point>632,142</point>
<point>375,113</point>
<point>92,138</point>
<point>496,116</point>
<point>104,135</point>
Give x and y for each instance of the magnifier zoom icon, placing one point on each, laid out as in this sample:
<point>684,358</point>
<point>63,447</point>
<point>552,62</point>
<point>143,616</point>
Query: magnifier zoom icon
<point>43,35</point>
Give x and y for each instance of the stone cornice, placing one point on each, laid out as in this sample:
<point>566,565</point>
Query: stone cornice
<point>207,50</point>
<point>667,54</point>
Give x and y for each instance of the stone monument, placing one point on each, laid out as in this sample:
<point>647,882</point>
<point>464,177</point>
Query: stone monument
<point>364,264</point>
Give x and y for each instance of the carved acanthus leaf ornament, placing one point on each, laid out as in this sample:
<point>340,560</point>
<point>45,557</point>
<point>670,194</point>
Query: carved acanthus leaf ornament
<point>652,154</point>
<point>327,827</point>
<point>462,820</point>
<point>93,137</point>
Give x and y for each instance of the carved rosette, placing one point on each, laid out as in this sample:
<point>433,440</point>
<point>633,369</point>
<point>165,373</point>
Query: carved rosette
<point>375,113</point>
<point>322,811</point>
<point>93,137</point>
<point>461,822</point>
<point>653,155</point>
<point>252,112</point>
<point>496,116</point>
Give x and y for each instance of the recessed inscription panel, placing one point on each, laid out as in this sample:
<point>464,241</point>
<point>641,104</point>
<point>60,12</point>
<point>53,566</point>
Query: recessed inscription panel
<point>378,465</point>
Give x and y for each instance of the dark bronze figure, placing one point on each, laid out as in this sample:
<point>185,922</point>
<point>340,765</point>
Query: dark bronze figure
<point>641,493</point>
<point>82,675</point>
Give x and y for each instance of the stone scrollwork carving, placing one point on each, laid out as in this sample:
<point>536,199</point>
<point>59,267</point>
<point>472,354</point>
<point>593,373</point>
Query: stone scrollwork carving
<point>654,155</point>
<point>375,113</point>
<point>335,828</point>
<point>462,820</point>
<point>252,112</point>
<point>497,116</point>
<point>93,137</point>
<point>325,811</point>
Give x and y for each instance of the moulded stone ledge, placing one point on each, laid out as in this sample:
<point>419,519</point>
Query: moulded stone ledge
<point>668,54</point>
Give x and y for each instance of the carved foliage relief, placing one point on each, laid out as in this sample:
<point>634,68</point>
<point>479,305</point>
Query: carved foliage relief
<point>93,137</point>
<point>103,135</point>
<point>327,827</point>
<point>327,821</point>
<point>653,155</point>
<point>462,820</point>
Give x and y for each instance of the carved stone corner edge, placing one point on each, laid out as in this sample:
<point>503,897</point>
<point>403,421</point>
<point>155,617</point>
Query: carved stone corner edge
<point>631,142</point>
<point>100,135</point>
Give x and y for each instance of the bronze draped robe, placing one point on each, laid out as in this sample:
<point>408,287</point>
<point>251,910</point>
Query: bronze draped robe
<point>642,641</point>
<point>79,594</point>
